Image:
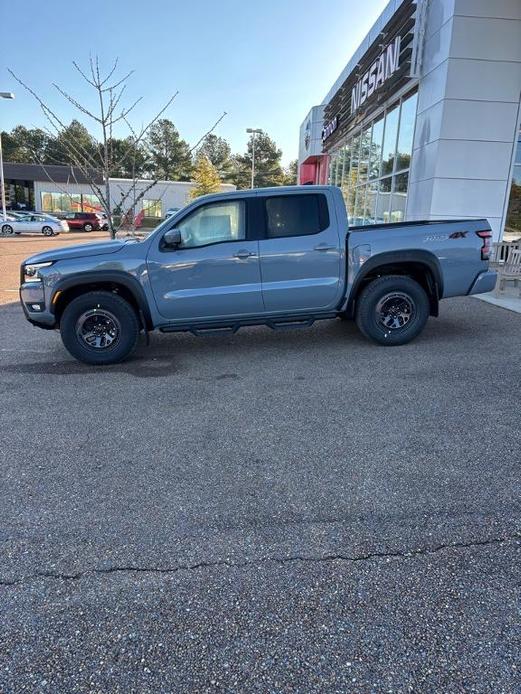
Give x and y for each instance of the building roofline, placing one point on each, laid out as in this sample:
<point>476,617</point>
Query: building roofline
<point>149,180</point>
<point>391,7</point>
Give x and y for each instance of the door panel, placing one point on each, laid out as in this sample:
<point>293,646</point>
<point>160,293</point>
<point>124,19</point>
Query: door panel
<point>215,281</point>
<point>26,225</point>
<point>215,273</point>
<point>301,272</point>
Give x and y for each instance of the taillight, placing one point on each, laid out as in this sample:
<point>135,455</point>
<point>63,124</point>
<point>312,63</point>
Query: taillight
<point>486,236</point>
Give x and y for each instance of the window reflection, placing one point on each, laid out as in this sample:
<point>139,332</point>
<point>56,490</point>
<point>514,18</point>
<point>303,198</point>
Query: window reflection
<point>152,208</point>
<point>372,167</point>
<point>371,197</point>
<point>365,146</point>
<point>399,197</point>
<point>61,202</point>
<point>384,200</point>
<point>355,159</point>
<point>214,223</point>
<point>407,119</point>
<point>513,220</point>
<point>389,146</point>
<point>345,169</point>
<point>91,203</point>
<point>376,149</point>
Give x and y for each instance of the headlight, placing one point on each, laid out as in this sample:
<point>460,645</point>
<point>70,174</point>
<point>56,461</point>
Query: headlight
<point>31,272</point>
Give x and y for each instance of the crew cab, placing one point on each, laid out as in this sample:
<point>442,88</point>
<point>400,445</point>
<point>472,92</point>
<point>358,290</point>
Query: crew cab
<point>274,256</point>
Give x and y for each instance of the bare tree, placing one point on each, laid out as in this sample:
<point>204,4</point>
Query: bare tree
<point>96,164</point>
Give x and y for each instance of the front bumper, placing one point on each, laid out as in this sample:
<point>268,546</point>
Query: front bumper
<point>484,282</point>
<point>32,298</point>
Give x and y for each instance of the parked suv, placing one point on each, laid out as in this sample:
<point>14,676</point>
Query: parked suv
<point>86,221</point>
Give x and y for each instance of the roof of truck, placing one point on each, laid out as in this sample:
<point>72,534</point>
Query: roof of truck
<point>274,190</point>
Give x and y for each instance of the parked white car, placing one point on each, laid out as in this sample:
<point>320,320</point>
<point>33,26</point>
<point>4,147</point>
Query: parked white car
<point>33,224</point>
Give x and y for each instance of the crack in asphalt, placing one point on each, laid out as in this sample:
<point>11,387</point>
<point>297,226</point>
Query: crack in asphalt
<point>420,551</point>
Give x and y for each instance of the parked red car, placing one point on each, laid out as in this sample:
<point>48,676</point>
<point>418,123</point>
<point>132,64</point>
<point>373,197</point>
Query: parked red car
<point>86,221</point>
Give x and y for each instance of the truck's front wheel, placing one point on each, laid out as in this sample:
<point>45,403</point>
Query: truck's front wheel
<point>392,310</point>
<point>99,328</point>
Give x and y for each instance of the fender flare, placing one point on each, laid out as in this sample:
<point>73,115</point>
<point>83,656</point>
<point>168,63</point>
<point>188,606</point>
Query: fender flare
<point>110,276</point>
<point>418,257</point>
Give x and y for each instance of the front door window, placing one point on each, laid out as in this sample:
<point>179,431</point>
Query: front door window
<point>213,223</point>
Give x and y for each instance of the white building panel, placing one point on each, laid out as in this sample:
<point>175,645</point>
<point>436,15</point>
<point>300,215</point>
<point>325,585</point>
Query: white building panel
<point>477,120</point>
<point>473,159</point>
<point>505,9</point>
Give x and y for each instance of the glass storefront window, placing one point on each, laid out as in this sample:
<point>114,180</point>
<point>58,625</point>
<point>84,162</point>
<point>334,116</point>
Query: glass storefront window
<point>91,203</point>
<point>406,133</point>
<point>355,159</point>
<point>372,168</point>
<point>512,230</point>
<point>152,208</point>
<point>359,207</point>
<point>399,197</point>
<point>389,146</point>
<point>70,202</point>
<point>346,155</point>
<point>513,220</point>
<point>365,147</point>
<point>340,167</point>
<point>375,159</point>
<point>61,202</point>
<point>332,168</point>
<point>371,197</point>
<point>383,201</point>
<point>19,194</point>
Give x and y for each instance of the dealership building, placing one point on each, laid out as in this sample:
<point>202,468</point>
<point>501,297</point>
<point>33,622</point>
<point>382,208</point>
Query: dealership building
<point>424,120</point>
<point>53,188</point>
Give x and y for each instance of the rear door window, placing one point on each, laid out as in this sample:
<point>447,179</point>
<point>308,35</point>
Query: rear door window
<point>296,215</point>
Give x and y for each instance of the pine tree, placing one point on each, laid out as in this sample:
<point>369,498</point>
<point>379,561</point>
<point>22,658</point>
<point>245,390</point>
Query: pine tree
<point>219,153</point>
<point>25,145</point>
<point>206,177</point>
<point>169,154</point>
<point>268,169</point>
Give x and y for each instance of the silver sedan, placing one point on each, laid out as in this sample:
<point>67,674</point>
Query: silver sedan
<point>33,224</point>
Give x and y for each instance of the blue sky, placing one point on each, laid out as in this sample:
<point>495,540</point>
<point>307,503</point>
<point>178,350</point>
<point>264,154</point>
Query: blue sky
<point>265,63</point>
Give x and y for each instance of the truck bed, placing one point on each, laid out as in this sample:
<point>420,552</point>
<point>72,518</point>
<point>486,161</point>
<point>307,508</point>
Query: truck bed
<point>422,223</point>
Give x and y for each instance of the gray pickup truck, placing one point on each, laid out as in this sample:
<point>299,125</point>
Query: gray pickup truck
<point>274,256</point>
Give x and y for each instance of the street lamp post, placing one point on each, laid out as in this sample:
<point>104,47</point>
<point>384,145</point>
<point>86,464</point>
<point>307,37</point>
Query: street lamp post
<point>253,132</point>
<point>3,95</point>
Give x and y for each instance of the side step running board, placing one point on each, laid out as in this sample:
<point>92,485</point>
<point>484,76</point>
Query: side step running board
<point>287,324</point>
<point>231,329</point>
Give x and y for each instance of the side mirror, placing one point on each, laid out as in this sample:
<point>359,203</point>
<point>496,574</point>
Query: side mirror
<point>172,238</point>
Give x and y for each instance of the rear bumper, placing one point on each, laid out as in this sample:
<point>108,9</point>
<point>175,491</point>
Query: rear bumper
<point>484,282</point>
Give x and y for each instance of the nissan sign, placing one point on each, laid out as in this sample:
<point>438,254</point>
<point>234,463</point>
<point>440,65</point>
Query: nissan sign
<point>383,67</point>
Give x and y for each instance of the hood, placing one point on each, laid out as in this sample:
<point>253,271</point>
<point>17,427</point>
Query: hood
<point>83,250</point>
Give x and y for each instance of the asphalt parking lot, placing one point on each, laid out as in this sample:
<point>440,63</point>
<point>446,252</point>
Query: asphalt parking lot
<point>287,512</point>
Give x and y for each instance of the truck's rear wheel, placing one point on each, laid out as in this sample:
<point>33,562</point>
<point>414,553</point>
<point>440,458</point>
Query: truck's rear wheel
<point>392,310</point>
<point>99,328</point>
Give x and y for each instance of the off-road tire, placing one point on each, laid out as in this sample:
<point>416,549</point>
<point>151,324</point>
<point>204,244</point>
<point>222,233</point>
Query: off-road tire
<point>376,310</point>
<point>109,307</point>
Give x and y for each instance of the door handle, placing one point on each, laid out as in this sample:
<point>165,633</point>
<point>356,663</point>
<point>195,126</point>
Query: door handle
<point>324,247</point>
<point>243,254</point>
